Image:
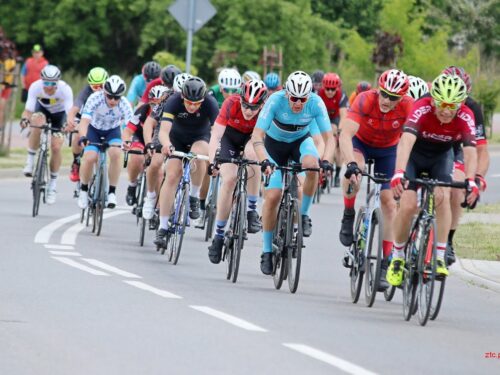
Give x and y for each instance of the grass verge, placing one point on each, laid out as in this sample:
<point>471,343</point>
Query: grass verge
<point>478,241</point>
<point>17,158</point>
<point>487,208</point>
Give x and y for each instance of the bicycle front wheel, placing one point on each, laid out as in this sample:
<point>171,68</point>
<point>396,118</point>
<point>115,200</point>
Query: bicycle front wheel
<point>436,302</point>
<point>38,181</point>
<point>140,204</point>
<point>101,201</point>
<point>180,222</point>
<point>426,271</point>
<point>373,257</point>
<point>410,276</point>
<point>357,249</point>
<point>294,245</point>
<point>238,234</point>
<point>279,257</point>
<point>211,209</point>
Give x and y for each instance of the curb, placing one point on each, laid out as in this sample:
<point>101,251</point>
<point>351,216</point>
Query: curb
<point>17,173</point>
<point>478,280</point>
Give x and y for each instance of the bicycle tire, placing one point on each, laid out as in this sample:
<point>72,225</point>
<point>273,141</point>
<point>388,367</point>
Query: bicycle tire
<point>239,234</point>
<point>140,219</point>
<point>372,279</point>
<point>279,261</point>
<point>357,271</point>
<point>437,307</point>
<point>389,293</point>
<point>36,184</point>
<point>294,246</point>
<point>212,210</point>
<point>228,256</point>
<point>410,283</point>
<point>426,272</point>
<point>101,202</point>
<point>180,228</point>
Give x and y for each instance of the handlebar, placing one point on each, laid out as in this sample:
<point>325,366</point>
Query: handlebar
<point>189,155</point>
<point>239,161</point>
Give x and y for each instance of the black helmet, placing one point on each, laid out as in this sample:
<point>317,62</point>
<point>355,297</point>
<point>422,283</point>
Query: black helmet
<point>151,70</point>
<point>168,74</point>
<point>317,76</point>
<point>194,89</point>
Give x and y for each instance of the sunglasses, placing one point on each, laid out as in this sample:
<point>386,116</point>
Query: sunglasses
<point>231,91</point>
<point>252,107</point>
<point>330,89</point>
<point>294,99</point>
<point>450,106</point>
<point>189,102</point>
<point>389,96</point>
<point>49,84</point>
<point>113,97</point>
<point>96,87</point>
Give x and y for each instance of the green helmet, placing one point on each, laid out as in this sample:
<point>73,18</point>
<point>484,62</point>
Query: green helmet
<point>449,89</point>
<point>97,76</point>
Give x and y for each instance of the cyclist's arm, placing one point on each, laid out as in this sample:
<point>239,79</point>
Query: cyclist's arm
<point>127,134</point>
<point>71,117</point>
<point>405,146</point>
<point>470,162</point>
<point>483,159</point>
<point>217,133</point>
<point>165,127</point>
<point>68,98</point>
<point>349,129</point>
<point>258,143</point>
<point>148,129</point>
<point>83,126</point>
<point>329,145</point>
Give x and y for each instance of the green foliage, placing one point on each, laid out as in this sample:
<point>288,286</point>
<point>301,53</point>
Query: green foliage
<point>165,58</point>
<point>487,92</point>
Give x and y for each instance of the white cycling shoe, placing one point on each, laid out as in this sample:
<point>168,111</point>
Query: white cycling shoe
<point>111,203</point>
<point>83,199</point>
<point>51,196</point>
<point>148,210</point>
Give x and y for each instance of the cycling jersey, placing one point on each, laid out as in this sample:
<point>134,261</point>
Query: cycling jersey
<point>137,121</point>
<point>83,96</point>
<point>61,101</point>
<point>153,83</point>
<point>333,105</point>
<point>216,92</point>
<point>102,116</point>
<point>378,129</point>
<point>230,115</point>
<point>137,87</point>
<point>280,123</point>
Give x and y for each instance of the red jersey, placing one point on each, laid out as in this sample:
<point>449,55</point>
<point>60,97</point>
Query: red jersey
<point>432,135</point>
<point>334,104</point>
<point>153,83</point>
<point>378,129</point>
<point>230,115</point>
<point>33,67</point>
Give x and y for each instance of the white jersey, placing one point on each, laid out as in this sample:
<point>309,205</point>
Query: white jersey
<point>61,101</point>
<point>104,117</point>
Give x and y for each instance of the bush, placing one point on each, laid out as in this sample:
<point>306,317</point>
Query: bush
<point>166,58</point>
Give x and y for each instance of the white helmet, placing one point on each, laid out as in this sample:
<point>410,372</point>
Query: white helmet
<point>418,87</point>
<point>114,85</point>
<point>50,73</point>
<point>251,75</point>
<point>229,79</point>
<point>157,92</point>
<point>179,80</point>
<point>299,84</point>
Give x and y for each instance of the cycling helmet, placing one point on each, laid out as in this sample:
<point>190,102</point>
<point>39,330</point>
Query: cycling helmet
<point>272,80</point>
<point>394,82</point>
<point>363,86</point>
<point>317,76</point>
<point>114,85</point>
<point>157,92</point>
<point>168,74</point>
<point>151,70</point>
<point>229,79</point>
<point>449,89</point>
<point>250,74</point>
<point>331,81</point>
<point>458,71</point>
<point>97,76</point>
<point>194,89</point>
<point>179,80</point>
<point>418,87</point>
<point>254,92</point>
<point>299,84</point>
<point>50,73</point>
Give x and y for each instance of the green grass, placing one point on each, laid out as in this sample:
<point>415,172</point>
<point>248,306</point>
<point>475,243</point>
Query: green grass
<point>478,241</point>
<point>17,158</point>
<point>487,208</point>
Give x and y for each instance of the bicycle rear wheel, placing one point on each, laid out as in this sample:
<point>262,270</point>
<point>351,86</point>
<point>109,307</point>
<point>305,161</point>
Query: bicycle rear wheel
<point>279,260</point>
<point>239,234</point>
<point>294,246</point>
<point>426,272</point>
<point>357,270</point>
<point>373,257</point>
<point>180,225</point>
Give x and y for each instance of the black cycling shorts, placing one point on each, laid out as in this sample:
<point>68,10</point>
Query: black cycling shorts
<point>438,166</point>
<point>233,143</point>
<point>183,142</point>
<point>56,120</point>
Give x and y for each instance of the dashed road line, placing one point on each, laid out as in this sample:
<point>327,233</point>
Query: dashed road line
<point>109,268</point>
<point>44,234</point>
<point>65,253</point>
<point>149,288</point>
<point>231,319</point>
<point>83,267</point>
<point>340,363</point>
<point>58,247</point>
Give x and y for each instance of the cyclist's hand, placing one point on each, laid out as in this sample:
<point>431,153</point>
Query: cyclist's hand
<point>353,173</point>
<point>83,141</point>
<point>70,125</point>
<point>24,123</point>
<point>472,193</point>
<point>397,182</point>
<point>167,149</point>
<point>126,145</point>
<point>213,169</point>
<point>150,148</point>
<point>480,182</point>
<point>266,167</point>
<point>326,165</point>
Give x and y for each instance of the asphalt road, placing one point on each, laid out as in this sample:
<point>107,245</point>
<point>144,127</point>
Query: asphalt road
<point>74,303</point>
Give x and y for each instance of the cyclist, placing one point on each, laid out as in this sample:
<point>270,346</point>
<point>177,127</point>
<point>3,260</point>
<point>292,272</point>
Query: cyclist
<point>273,82</point>
<point>335,100</point>
<point>418,87</point>
<point>436,122</point>
<point>229,82</point>
<point>371,130</point>
<point>483,159</point>
<point>233,129</point>
<point>185,126</point>
<point>317,80</point>
<point>250,75</point>
<point>150,71</point>
<point>360,87</point>
<point>103,114</point>
<point>31,70</point>
<point>285,123</point>
<point>95,79</point>
<point>49,100</point>
<point>133,139</point>
<point>166,79</point>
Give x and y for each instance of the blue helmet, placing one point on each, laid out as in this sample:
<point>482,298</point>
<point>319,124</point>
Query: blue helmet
<point>272,80</point>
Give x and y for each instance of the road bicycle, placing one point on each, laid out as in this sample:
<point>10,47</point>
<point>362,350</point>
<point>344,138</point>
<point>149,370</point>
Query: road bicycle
<point>211,207</point>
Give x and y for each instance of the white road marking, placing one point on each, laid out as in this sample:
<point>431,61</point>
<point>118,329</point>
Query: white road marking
<point>149,288</point>
<point>494,175</point>
<point>59,247</point>
<point>229,318</point>
<point>340,363</point>
<point>65,253</point>
<point>43,235</point>
<point>72,263</point>
<point>70,234</point>
<point>107,267</point>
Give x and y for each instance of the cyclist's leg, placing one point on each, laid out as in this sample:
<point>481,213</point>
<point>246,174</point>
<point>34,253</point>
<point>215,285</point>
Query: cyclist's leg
<point>57,140</point>
<point>134,168</point>
<point>309,158</point>
<point>253,186</point>
<point>337,155</point>
<point>457,197</point>
<point>113,137</point>
<point>37,119</point>
<point>173,170</point>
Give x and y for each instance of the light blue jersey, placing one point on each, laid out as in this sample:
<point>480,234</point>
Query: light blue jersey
<point>277,110</point>
<point>137,88</point>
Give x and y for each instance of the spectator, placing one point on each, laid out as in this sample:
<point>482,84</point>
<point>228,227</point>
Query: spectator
<point>8,54</point>
<point>31,69</point>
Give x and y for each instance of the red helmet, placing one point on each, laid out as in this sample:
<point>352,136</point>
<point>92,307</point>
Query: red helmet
<point>394,82</point>
<point>331,81</point>
<point>458,71</point>
<point>254,92</point>
<point>363,86</point>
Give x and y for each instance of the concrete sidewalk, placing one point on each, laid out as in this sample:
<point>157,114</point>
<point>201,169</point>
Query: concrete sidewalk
<point>482,273</point>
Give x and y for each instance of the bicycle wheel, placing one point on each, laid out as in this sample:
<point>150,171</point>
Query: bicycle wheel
<point>140,204</point>
<point>228,254</point>
<point>279,260</point>
<point>357,249</point>
<point>36,184</point>
<point>426,271</point>
<point>239,234</point>
<point>211,209</point>
<point>436,305</point>
<point>389,293</point>
<point>373,257</point>
<point>180,226</point>
<point>294,246</point>
<point>410,276</point>
<point>101,201</point>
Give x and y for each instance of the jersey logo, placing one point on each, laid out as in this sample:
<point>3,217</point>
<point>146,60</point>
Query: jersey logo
<point>469,120</point>
<point>437,137</point>
<point>182,115</point>
<point>395,124</point>
<point>420,112</point>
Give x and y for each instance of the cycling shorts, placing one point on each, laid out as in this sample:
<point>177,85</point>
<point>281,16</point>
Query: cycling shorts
<point>56,120</point>
<point>233,143</point>
<point>438,166</point>
<point>183,142</point>
<point>112,136</point>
